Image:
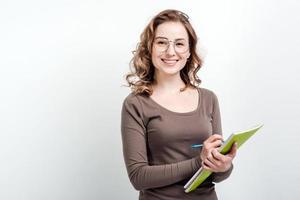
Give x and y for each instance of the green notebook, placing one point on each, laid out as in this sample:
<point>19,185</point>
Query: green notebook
<point>202,174</point>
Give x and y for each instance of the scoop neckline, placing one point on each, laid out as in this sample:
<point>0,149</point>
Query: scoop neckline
<point>179,113</point>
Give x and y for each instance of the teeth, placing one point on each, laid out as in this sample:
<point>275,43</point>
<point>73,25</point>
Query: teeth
<point>170,61</point>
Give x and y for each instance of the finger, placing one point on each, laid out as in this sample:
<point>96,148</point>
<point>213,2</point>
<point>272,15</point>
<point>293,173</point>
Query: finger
<point>204,166</point>
<point>218,156</point>
<point>205,152</point>
<point>209,164</point>
<point>214,137</point>
<point>233,150</point>
<point>216,143</point>
<point>213,160</point>
<point>208,146</point>
<point>209,157</point>
<point>217,163</point>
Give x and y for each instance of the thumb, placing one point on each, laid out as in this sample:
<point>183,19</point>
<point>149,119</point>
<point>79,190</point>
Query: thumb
<point>233,150</point>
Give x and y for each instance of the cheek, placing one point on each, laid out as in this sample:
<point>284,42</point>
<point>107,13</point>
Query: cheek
<point>185,56</point>
<point>155,56</point>
<point>184,59</point>
<point>155,60</point>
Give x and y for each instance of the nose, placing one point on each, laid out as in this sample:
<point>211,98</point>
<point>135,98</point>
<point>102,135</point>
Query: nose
<point>171,49</point>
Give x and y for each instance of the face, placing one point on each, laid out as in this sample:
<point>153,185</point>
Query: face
<point>170,48</point>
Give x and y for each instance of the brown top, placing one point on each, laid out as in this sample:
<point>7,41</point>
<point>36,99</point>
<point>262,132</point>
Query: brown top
<point>157,146</point>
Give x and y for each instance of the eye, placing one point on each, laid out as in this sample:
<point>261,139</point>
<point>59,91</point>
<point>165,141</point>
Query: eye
<point>161,42</point>
<point>179,44</point>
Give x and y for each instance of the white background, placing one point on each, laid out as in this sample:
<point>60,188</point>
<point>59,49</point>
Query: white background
<point>62,66</point>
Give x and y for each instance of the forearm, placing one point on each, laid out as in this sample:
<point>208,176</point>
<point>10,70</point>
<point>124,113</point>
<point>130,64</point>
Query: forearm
<point>144,176</point>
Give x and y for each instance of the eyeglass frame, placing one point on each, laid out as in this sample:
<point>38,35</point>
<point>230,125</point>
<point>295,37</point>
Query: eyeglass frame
<point>173,41</point>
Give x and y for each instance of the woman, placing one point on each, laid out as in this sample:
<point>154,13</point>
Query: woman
<point>167,112</point>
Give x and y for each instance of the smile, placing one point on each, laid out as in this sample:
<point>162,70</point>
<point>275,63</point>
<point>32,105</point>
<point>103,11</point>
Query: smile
<point>169,61</point>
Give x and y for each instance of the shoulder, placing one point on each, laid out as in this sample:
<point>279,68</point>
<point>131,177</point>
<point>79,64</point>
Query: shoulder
<point>131,101</point>
<point>209,99</point>
<point>141,104</point>
<point>136,102</point>
<point>207,94</point>
<point>132,108</point>
<point>132,111</point>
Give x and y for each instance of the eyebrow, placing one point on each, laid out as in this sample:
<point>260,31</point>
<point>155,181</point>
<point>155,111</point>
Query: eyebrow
<point>159,37</point>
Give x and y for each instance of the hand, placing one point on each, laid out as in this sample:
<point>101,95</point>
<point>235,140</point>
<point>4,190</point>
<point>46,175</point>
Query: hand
<point>210,144</point>
<point>218,162</point>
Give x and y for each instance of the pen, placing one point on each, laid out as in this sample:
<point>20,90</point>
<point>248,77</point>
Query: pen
<point>197,145</point>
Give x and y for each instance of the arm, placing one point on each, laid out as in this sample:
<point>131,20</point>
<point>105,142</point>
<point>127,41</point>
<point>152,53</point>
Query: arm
<point>217,128</point>
<point>134,139</point>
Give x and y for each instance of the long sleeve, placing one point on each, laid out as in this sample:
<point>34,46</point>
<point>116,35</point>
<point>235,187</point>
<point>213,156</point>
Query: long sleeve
<point>134,138</point>
<point>217,128</point>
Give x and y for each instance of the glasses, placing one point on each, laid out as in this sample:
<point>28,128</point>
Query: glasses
<point>163,44</point>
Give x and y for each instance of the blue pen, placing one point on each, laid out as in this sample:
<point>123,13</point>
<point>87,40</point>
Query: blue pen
<point>197,145</point>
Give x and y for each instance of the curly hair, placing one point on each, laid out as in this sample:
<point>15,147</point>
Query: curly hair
<point>141,77</point>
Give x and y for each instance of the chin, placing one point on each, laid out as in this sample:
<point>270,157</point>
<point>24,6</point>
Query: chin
<point>170,71</point>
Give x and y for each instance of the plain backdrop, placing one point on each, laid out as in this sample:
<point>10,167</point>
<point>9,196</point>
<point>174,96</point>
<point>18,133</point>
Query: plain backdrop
<point>62,67</point>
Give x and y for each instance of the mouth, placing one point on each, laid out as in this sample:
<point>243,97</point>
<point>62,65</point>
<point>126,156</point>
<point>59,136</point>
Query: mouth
<point>170,61</point>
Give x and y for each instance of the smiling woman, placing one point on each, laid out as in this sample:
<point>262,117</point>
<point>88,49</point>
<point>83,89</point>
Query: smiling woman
<point>154,40</point>
<point>167,112</point>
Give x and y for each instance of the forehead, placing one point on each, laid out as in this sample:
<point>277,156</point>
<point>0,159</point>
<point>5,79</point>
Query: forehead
<point>171,30</point>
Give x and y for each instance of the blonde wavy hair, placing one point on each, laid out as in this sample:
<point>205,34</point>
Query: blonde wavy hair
<point>141,77</point>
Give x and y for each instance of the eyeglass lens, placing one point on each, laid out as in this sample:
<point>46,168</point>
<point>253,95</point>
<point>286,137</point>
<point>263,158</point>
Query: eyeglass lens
<point>180,46</point>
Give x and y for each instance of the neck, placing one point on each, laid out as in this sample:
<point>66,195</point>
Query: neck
<point>168,83</point>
